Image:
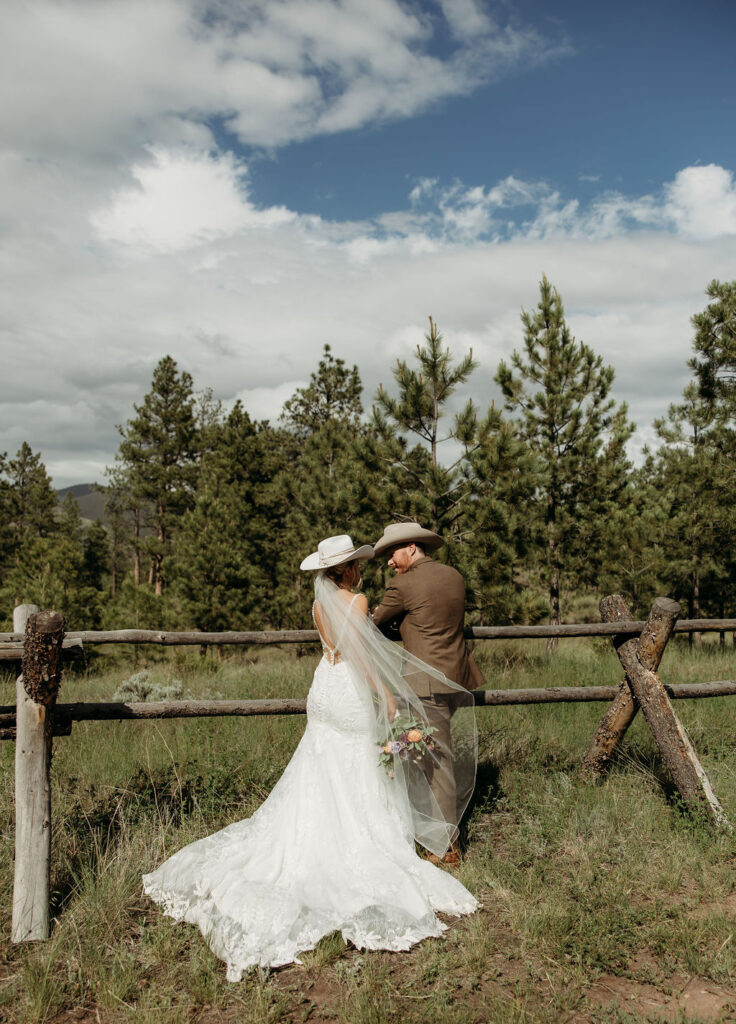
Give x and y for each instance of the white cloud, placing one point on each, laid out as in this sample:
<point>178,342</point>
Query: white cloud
<point>266,403</point>
<point>466,18</point>
<point>244,298</point>
<point>701,202</point>
<point>101,76</point>
<point>182,199</point>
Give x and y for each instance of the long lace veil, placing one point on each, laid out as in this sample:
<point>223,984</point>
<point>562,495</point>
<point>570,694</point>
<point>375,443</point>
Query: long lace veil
<point>388,670</point>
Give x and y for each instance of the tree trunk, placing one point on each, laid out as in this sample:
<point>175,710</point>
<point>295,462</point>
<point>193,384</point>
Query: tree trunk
<point>136,546</point>
<point>697,638</point>
<point>158,558</point>
<point>554,571</point>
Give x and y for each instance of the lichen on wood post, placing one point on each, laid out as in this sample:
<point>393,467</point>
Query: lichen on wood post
<point>36,693</point>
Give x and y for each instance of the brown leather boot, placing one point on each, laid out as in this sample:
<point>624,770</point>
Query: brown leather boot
<point>450,860</point>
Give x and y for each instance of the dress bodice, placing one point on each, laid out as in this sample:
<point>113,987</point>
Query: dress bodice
<point>331,653</point>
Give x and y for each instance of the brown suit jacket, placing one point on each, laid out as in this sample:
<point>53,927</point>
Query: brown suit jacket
<point>427,604</point>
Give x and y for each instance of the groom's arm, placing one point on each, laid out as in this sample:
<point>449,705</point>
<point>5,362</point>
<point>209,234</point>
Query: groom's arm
<point>390,612</point>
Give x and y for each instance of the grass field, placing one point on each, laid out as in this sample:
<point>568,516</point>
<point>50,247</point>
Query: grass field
<point>601,903</point>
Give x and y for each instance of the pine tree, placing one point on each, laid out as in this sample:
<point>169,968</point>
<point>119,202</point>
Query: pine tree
<point>472,498</point>
<point>32,496</point>
<point>122,538</point>
<point>559,390</point>
<point>688,466</point>
<point>29,502</point>
<point>714,364</point>
<point>714,361</point>
<point>323,487</point>
<point>157,462</point>
<point>228,541</point>
<point>432,491</point>
<point>635,564</point>
<point>66,558</point>
<point>495,529</point>
<point>6,516</point>
<point>332,396</point>
<point>94,572</point>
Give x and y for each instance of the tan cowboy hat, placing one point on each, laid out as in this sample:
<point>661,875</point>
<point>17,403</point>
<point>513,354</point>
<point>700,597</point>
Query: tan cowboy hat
<point>334,550</point>
<point>398,534</point>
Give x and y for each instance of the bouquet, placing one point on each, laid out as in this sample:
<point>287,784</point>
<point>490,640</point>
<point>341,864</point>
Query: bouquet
<point>408,740</point>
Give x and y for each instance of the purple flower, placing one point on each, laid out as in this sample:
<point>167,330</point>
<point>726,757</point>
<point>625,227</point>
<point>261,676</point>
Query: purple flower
<point>396,747</point>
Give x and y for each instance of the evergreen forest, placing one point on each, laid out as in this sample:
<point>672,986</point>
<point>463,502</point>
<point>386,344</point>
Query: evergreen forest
<point>209,512</point>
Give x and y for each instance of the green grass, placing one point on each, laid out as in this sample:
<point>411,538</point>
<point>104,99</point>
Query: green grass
<point>577,881</point>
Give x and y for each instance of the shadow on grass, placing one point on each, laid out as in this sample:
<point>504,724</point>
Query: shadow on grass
<point>650,765</point>
<point>486,795</point>
<point>95,822</point>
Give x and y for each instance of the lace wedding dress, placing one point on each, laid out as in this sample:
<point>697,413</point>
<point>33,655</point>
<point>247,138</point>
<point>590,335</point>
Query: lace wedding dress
<point>329,850</point>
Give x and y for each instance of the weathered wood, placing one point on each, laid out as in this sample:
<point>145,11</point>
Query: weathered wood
<point>32,782</point>
<point>87,711</point>
<point>14,651</point>
<point>649,649</point>
<point>190,639</point>
<point>677,752</point>
<point>308,636</point>
<point>109,711</point>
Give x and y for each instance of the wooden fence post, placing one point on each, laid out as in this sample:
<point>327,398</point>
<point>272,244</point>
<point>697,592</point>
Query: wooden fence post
<point>676,749</point>
<point>36,692</point>
<point>649,648</point>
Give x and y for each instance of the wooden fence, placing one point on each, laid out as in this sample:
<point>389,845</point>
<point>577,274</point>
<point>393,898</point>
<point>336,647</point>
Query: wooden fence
<point>40,643</point>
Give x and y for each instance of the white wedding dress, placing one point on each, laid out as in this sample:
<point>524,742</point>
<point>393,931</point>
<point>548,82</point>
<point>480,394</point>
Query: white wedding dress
<point>329,850</point>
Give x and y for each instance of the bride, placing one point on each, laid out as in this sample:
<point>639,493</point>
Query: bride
<point>332,848</point>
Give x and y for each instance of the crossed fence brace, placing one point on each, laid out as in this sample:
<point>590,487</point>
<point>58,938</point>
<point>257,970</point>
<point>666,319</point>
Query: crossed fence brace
<point>642,688</point>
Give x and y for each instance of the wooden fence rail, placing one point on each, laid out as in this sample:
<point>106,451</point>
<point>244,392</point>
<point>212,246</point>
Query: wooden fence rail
<point>64,715</point>
<point>37,717</point>
<point>11,644</point>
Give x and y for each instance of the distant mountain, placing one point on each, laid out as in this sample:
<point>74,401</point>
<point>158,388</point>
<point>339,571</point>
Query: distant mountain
<point>91,502</point>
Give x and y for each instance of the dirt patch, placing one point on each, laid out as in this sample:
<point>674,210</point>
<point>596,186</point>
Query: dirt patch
<point>699,998</point>
<point>725,907</point>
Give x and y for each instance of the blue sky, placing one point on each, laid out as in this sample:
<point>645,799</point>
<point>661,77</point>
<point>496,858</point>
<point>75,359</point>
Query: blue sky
<point>237,182</point>
<point>636,92</point>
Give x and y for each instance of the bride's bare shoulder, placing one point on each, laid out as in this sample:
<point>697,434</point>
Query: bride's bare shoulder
<point>361,604</point>
<point>358,601</point>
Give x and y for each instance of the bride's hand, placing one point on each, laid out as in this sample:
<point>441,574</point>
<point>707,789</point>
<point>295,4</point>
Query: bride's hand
<point>392,709</point>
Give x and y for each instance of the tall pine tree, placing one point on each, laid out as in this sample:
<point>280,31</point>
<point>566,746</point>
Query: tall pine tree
<point>157,464</point>
<point>688,466</point>
<point>559,391</point>
<point>228,543</point>
<point>471,496</point>
<point>323,487</point>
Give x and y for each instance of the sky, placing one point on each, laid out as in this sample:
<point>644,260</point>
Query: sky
<point>237,183</point>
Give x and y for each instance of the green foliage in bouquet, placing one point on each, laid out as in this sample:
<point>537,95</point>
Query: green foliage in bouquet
<point>409,740</point>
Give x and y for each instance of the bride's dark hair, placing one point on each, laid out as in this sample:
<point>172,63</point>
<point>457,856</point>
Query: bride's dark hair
<point>336,573</point>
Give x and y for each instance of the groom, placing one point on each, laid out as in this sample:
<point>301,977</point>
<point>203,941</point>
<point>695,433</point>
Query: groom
<point>424,605</point>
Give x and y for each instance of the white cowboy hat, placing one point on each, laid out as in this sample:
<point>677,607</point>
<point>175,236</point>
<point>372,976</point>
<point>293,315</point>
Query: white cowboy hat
<point>398,534</point>
<point>334,550</point>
